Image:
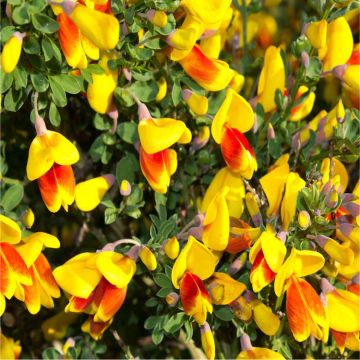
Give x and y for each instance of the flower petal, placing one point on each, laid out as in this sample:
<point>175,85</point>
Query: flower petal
<point>9,230</point>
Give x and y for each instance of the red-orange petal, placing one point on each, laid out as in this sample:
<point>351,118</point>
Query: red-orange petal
<point>16,263</point>
<point>194,297</point>
<point>261,274</point>
<point>7,281</point>
<point>211,74</point>
<point>340,339</point>
<point>46,278</point>
<point>112,300</point>
<point>57,187</point>
<point>237,152</point>
<point>158,168</point>
<point>32,295</point>
<point>70,41</point>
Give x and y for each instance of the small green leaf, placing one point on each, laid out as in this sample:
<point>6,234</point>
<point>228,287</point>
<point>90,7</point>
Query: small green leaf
<point>174,323</point>
<point>14,99</point>
<point>21,15</point>
<point>58,93</point>
<point>110,215</point>
<point>54,115</point>
<point>40,82</point>
<point>224,313</point>
<point>50,354</point>
<point>6,81</point>
<point>162,280</point>
<point>44,23</point>
<point>31,45</point>
<point>126,168</point>
<point>12,197</point>
<point>145,91</point>
<point>176,93</point>
<point>128,132</point>
<point>157,337</point>
<point>50,49</point>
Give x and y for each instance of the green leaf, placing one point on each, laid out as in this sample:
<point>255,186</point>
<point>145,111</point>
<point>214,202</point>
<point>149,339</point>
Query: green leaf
<point>31,45</point>
<point>224,313</point>
<point>51,353</point>
<point>145,91</point>
<point>6,81</point>
<point>6,32</point>
<point>14,99</point>
<point>164,292</point>
<point>50,50</point>
<point>101,122</point>
<point>128,132</point>
<point>97,148</point>
<point>126,168</point>
<point>58,93</point>
<point>21,15</point>
<point>44,23</point>
<point>40,82</point>
<point>12,197</point>
<point>174,323</point>
<point>162,280</point>
<point>68,83</point>
<point>20,76</point>
<point>150,322</point>
<point>110,215</point>
<point>124,97</point>
<point>54,115</point>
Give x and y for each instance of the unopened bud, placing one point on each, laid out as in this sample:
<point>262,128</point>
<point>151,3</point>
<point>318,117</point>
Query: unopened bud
<point>125,188</point>
<point>162,85</point>
<point>28,218</point>
<point>339,71</point>
<point>270,132</point>
<point>201,139</point>
<point>148,258</point>
<point>172,248</point>
<point>304,220</point>
<point>253,208</point>
<point>237,264</point>
<point>305,59</point>
<point>172,299</point>
<point>127,74</point>
<point>207,341</point>
<point>158,18</point>
<point>340,112</point>
<point>245,342</point>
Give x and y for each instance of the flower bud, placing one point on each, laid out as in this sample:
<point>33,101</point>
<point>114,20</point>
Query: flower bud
<point>172,248</point>
<point>253,208</point>
<point>237,264</point>
<point>11,52</point>
<point>28,218</point>
<point>197,103</point>
<point>158,18</point>
<point>148,258</point>
<point>202,139</point>
<point>270,132</point>
<point>304,220</point>
<point>207,341</point>
<point>340,112</point>
<point>143,112</point>
<point>162,85</point>
<point>172,299</point>
<point>305,59</point>
<point>125,188</point>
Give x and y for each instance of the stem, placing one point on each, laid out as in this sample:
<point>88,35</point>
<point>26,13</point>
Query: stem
<point>111,246</point>
<point>244,25</point>
<point>40,126</point>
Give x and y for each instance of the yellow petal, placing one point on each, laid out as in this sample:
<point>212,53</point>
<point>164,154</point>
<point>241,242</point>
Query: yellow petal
<point>76,277</point>
<point>101,29</point>
<point>195,258</point>
<point>89,193</point>
<point>172,248</point>
<point>307,262</point>
<point>265,319</point>
<point>197,103</point>
<point>286,270</point>
<point>339,44</point>
<point>159,134</point>
<point>294,183</point>
<point>28,218</point>
<point>272,77</point>
<point>47,149</point>
<point>235,112</point>
<point>235,195</point>
<point>148,258</point>
<point>212,45</point>
<point>162,85</point>
<point>216,224</point>
<point>316,32</point>
<point>273,184</point>
<point>274,250</point>
<point>116,268</point>
<point>224,289</point>
<point>9,230</point>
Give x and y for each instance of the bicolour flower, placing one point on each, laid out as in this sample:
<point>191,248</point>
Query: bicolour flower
<point>157,161</point>
<point>50,158</point>
<point>234,117</point>
<point>304,308</point>
<point>84,29</point>
<point>100,92</point>
<point>194,264</point>
<point>299,112</point>
<point>198,104</point>
<point>266,256</point>
<point>333,40</point>
<point>211,74</point>
<point>235,195</point>
<point>272,78</point>
<point>89,193</point>
<point>98,287</point>
<point>9,348</point>
<point>11,52</point>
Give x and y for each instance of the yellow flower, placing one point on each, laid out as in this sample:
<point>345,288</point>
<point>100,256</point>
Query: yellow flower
<point>207,341</point>
<point>162,85</point>
<point>28,218</point>
<point>10,231</point>
<point>89,193</point>
<point>11,52</point>
<point>9,348</point>
<point>158,18</point>
<point>197,103</point>
<point>272,78</point>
